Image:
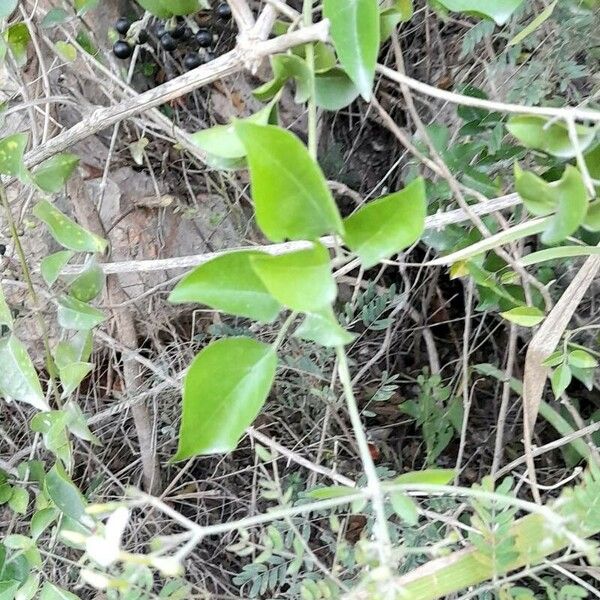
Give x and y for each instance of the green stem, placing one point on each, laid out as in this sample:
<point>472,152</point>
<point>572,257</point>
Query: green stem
<point>310,61</point>
<point>284,329</point>
<point>374,485</point>
<point>50,366</point>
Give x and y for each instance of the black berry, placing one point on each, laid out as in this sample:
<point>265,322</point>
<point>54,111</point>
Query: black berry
<point>187,33</point>
<point>2,249</point>
<point>168,42</point>
<point>122,25</point>
<point>142,37</point>
<point>223,11</point>
<point>204,38</point>
<point>192,61</point>
<point>122,49</point>
<point>178,32</point>
<point>160,30</point>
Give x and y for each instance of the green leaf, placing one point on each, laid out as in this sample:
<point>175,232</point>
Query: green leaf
<point>52,592</point>
<point>155,7</point>
<point>560,379</point>
<point>582,359</point>
<point>78,348</point>
<point>229,283</point>
<point>540,133</point>
<point>89,283</point>
<point>18,377</point>
<point>52,265</point>
<point>224,389</point>
<point>28,590</point>
<point>427,476</point>
<point>332,491</point>
<point>77,423</point>
<point>74,314</point>
<point>55,16</point>
<point>72,375</point>
<point>41,520</point>
<point>287,66</point>
<point>526,316</point>
<point>592,218</point>
<point>8,589</point>
<point>17,37</point>
<point>405,507</point>
<point>498,10</point>
<point>289,189</point>
<point>400,12</point>
<point>66,232</point>
<point>334,89</point>
<point>66,51</point>
<point>52,174</point>
<point>5,312</point>
<point>535,24</point>
<point>300,280</point>
<point>355,34</point>
<point>7,7</point>
<point>387,225</point>
<point>64,493</point>
<point>53,427</point>
<point>222,141</point>
<point>568,197</point>
<point>324,329</point>
<point>12,149</point>
<point>84,6</point>
<point>19,501</point>
<point>6,491</point>
<point>586,376</point>
<point>183,7</point>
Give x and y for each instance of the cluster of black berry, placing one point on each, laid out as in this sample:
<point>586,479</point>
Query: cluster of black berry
<point>172,34</point>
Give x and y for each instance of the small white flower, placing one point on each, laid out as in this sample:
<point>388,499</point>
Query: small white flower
<point>104,549</point>
<point>167,565</point>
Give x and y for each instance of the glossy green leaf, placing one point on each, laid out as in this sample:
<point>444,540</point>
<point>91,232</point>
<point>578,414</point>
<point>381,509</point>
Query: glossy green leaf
<point>12,149</point>
<point>64,493</point>
<point>400,12</point>
<point>535,24</point>
<point>53,427</point>
<point>586,376</point>
<point>17,37</point>
<point>89,283</point>
<point>224,389</point>
<point>72,375</point>
<point>78,348</point>
<point>18,378</point>
<point>540,133</point>
<point>19,501</point>
<point>184,7</point>
<point>74,314</point>
<point>285,67</point>
<point>66,51</point>
<point>222,141</point>
<point>568,196</point>
<point>41,520</point>
<point>332,491</point>
<point>66,232</point>
<point>8,589</point>
<point>29,589</point>
<point>334,90</point>
<point>155,7</point>
<point>355,34</point>
<point>6,317</point>
<point>582,359</point>
<point>6,491</point>
<point>427,476</point>
<point>560,379</point>
<point>405,507</point>
<point>77,422</point>
<point>52,174</point>
<point>51,266</point>
<point>289,189</point>
<point>324,329</point>
<point>299,280</point>
<point>52,592</point>
<point>55,16</point>
<point>228,283</point>
<point>592,217</point>
<point>7,7</point>
<point>498,10</point>
<point>526,316</point>
<point>387,225</point>
<point>84,6</point>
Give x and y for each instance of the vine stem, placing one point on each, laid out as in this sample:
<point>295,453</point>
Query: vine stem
<point>50,366</point>
<point>375,490</point>
<point>312,104</point>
